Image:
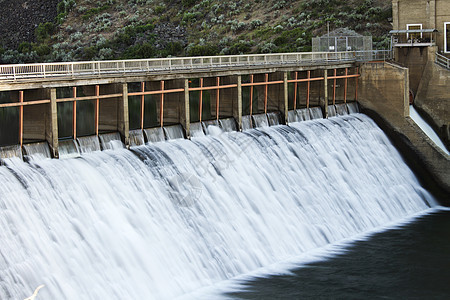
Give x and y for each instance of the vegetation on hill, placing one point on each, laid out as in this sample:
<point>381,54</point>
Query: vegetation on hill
<point>123,29</point>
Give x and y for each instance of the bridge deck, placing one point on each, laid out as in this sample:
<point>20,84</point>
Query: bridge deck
<point>29,73</point>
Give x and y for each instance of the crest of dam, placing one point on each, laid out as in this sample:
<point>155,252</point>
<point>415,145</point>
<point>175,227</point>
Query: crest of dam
<point>165,219</point>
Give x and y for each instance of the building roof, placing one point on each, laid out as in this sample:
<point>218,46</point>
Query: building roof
<point>413,31</point>
<point>342,32</point>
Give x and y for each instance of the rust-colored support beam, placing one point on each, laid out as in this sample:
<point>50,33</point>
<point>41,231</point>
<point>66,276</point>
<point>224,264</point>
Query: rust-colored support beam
<point>308,88</point>
<point>266,83</point>
<point>251,95</point>
<point>295,90</point>
<point>217,97</point>
<point>345,85</point>
<point>82,98</point>
<point>266,87</point>
<point>334,87</point>
<point>74,113</point>
<point>200,106</point>
<point>97,107</point>
<point>18,104</point>
<point>142,104</point>
<point>21,119</point>
<point>161,106</point>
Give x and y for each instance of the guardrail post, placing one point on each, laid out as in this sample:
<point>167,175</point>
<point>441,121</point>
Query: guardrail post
<point>237,110</point>
<point>286,97</point>
<point>21,118</point>
<point>52,129</point>
<point>186,117</point>
<point>124,123</point>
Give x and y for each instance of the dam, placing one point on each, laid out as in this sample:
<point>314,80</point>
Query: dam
<point>206,174</point>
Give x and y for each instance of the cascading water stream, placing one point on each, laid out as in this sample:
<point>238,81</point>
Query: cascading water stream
<point>167,219</point>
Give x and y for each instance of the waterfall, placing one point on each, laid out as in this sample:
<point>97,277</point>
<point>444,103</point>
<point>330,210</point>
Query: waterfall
<point>274,118</point>
<point>341,109</point>
<point>228,124</point>
<point>89,144</point>
<point>260,120</point>
<point>173,132</point>
<point>247,122</point>
<point>36,151</point>
<point>68,149</point>
<point>316,112</point>
<point>196,129</point>
<point>331,111</point>
<point>166,219</point>
<point>136,137</point>
<point>110,141</point>
<point>155,134</point>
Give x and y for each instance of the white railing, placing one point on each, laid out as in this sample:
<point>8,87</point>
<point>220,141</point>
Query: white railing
<point>66,70</point>
<point>442,61</point>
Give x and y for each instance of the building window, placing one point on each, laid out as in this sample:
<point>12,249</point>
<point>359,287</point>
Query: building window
<point>447,37</point>
<point>415,35</point>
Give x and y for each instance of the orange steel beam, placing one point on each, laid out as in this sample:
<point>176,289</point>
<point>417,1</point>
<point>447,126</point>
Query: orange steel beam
<point>18,104</point>
<point>266,87</point>
<point>88,98</point>
<point>74,113</point>
<point>142,103</point>
<point>356,87</point>
<point>345,85</point>
<point>214,87</point>
<point>263,83</point>
<point>21,119</point>
<point>161,106</point>
<point>295,90</point>
<point>97,102</point>
<point>334,87</point>
<point>217,98</point>
<point>307,89</point>
<point>251,95</point>
<point>201,100</point>
<point>157,92</point>
<point>343,76</point>
<point>308,79</point>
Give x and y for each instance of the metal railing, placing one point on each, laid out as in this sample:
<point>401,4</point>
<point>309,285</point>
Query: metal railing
<point>442,61</point>
<point>66,70</point>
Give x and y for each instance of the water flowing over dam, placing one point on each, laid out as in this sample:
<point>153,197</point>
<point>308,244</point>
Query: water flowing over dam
<point>163,220</point>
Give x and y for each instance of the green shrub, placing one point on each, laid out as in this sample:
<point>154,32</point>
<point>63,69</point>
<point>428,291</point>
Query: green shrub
<point>24,47</point>
<point>202,50</point>
<point>42,49</point>
<point>189,3</point>
<point>44,30</point>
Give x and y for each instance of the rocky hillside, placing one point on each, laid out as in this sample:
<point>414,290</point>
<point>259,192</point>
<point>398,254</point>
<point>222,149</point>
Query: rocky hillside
<point>50,30</point>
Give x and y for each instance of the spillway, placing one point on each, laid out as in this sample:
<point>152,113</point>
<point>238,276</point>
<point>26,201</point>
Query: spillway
<point>166,219</point>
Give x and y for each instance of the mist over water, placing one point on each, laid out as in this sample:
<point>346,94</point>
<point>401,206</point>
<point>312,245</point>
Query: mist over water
<point>164,220</point>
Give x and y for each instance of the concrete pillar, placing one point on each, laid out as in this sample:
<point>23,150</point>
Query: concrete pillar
<point>325,87</point>
<point>431,13</point>
<point>286,97</point>
<point>237,112</point>
<point>124,122</point>
<point>52,127</point>
<point>395,16</point>
<point>406,94</point>
<point>185,111</point>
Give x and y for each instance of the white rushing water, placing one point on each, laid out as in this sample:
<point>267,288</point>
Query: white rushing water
<point>426,128</point>
<point>164,220</point>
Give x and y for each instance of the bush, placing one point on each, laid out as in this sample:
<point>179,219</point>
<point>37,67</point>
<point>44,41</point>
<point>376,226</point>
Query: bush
<point>202,50</point>
<point>44,30</point>
<point>42,49</point>
<point>189,3</point>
